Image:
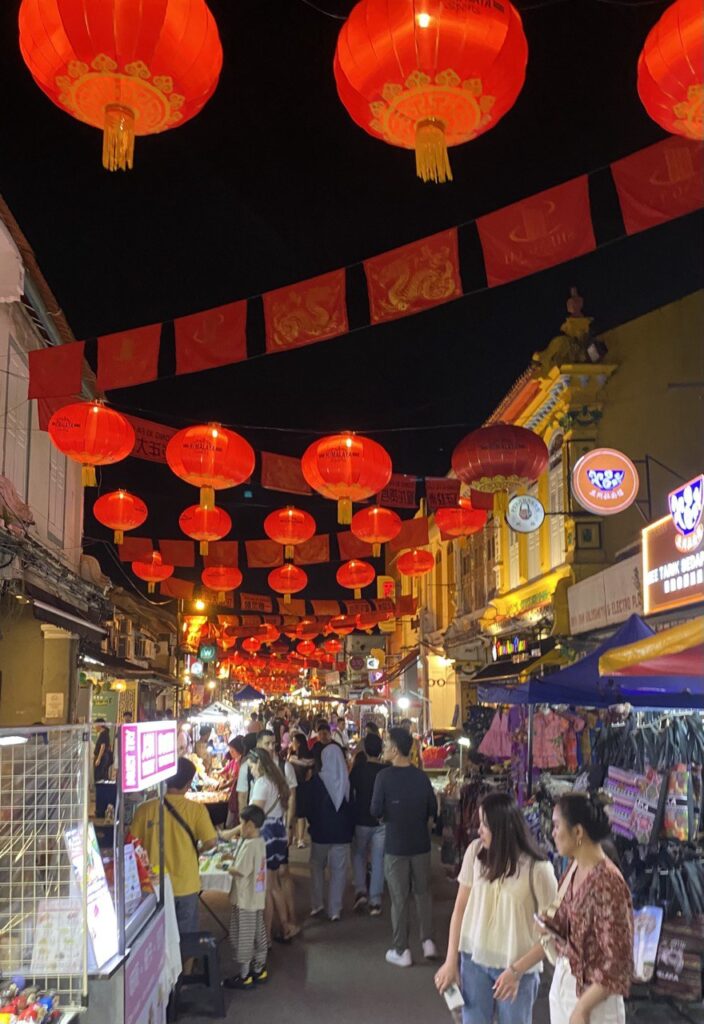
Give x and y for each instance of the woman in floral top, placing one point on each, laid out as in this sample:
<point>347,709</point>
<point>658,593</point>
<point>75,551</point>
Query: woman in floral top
<point>593,925</point>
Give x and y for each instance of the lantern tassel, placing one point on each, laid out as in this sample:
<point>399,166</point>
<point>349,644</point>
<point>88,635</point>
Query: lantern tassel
<point>288,551</point>
<point>221,597</point>
<point>207,498</point>
<point>88,477</point>
<point>287,599</point>
<point>203,547</point>
<point>357,594</point>
<point>151,587</point>
<point>432,161</point>
<point>344,511</point>
<point>119,536</point>
<point>118,138</point>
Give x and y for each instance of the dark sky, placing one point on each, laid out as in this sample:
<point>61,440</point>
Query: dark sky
<point>273,182</point>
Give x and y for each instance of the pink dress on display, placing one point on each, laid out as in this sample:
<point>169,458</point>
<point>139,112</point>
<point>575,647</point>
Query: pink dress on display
<point>497,742</point>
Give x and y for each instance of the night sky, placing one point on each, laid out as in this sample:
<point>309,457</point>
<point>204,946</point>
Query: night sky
<point>273,183</point>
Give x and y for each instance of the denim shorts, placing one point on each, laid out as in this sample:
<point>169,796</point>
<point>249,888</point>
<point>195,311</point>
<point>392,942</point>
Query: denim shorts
<point>477,985</point>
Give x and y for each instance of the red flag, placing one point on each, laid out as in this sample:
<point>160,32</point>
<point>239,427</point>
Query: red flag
<point>406,605</point>
<point>351,547</point>
<point>481,499</point>
<point>441,492</point>
<point>283,473</point>
<point>414,534</point>
<point>304,313</point>
<point>400,492</point>
<point>413,278</point>
<point>180,589</point>
<point>46,407</point>
<point>539,232</point>
<point>128,357</point>
<point>660,183</point>
<point>215,337</point>
<point>135,549</point>
<point>151,439</point>
<point>56,371</point>
<point>313,551</point>
<point>255,603</point>
<point>325,608</point>
<point>357,607</point>
<point>222,552</point>
<point>180,553</point>
<point>263,554</point>
<point>297,607</point>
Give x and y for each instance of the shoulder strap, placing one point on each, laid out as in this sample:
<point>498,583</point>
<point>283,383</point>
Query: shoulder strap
<point>184,824</point>
<point>531,882</point>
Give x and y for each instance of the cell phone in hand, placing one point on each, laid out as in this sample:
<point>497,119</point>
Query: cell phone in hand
<point>453,997</point>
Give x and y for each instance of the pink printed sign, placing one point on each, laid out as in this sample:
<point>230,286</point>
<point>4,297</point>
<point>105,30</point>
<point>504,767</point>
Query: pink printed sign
<point>149,754</point>
<point>143,1000</point>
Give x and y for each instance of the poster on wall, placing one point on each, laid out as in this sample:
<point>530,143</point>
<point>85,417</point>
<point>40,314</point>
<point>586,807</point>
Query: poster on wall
<point>102,920</point>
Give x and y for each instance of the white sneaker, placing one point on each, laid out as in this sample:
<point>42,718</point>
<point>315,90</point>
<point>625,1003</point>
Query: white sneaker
<point>399,959</point>
<point>429,950</point>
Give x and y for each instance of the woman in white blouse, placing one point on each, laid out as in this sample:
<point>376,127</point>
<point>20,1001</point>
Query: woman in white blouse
<point>503,882</point>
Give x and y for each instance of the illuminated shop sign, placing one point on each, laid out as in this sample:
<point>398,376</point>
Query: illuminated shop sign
<point>148,753</point>
<point>506,648</point>
<point>686,504</point>
<point>673,566</point>
<point>605,481</point>
<point>525,513</point>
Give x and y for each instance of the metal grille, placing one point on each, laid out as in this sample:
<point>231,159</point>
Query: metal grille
<point>43,792</point>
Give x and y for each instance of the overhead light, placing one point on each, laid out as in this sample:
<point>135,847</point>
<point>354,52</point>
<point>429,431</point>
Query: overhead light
<point>464,741</point>
<point>403,703</point>
<point>200,605</point>
<point>12,741</point>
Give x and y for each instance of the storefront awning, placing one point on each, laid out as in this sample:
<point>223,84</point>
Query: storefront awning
<point>673,652</point>
<point>70,621</point>
<point>11,268</point>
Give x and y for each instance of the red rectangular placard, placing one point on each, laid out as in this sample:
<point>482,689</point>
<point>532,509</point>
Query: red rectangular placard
<point>263,554</point>
<point>313,551</point>
<point>283,473</point>
<point>301,314</point>
<point>215,337</point>
<point>400,492</point>
<point>660,183</point>
<point>128,357</point>
<point>56,371</point>
<point>414,534</point>
<point>414,277</point>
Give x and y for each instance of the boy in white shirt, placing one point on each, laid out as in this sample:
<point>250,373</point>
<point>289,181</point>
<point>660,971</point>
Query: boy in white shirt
<point>248,896</point>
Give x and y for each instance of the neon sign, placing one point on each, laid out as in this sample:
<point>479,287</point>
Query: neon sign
<point>605,481</point>
<point>686,504</point>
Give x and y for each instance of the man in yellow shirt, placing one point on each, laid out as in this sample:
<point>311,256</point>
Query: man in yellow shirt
<point>188,831</point>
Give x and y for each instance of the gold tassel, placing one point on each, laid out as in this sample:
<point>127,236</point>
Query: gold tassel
<point>287,599</point>
<point>118,138</point>
<point>432,161</point>
<point>288,551</point>
<point>151,587</point>
<point>344,511</point>
<point>207,497</point>
<point>221,597</point>
<point>88,477</point>
<point>119,537</point>
<point>376,550</point>
<point>357,594</point>
<point>203,547</point>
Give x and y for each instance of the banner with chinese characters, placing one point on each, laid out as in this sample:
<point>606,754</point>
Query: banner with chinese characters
<point>151,439</point>
<point>400,492</point>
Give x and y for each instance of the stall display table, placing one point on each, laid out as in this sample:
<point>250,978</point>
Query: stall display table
<point>215,800</point>
<point>215,877</point>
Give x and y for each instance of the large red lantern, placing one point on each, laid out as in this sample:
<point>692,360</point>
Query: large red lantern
<point>346,468</point>
<point>671,70</point>
<point>500,458</point>
<point>153,571</point>
<point>124,67</point>
<point>376,526</point>
<point>355,575</point>
<point>288,579</point>
<point>92,434</point>
<point>415,562</point>
<point>221,578</point>
<point>332,647</point>
<point>343,625</point>
<point>367,621</point>
<point>268,634</point>
<point>428,74</point>
<point>251,644</point>
<point>289,527</point>
<point>210,457</point>
<point>460,520</point>
<point>120,511</point>
<point>307,629</point>
<point>306,648</point>
<point>205,524</point>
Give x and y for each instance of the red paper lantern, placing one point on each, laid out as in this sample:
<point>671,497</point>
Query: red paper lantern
<point>671,70</point>
<point>376,526</point>
<point>127,68</point>
<point>268,634</point>
<point>367,621</point>
<point>288,579</point>
<point>205,524</point>
<point>153,571</point>
<point>120,511</point>
<point>306,648</point>
<point>355,575</point>
<point>346,468</point>
<point>500,458</point>
<point>343,625</point>
<point>307,629</point>
<point>251,645</point>
<point>332,647</point>
<point>92,434</point>
<point>289,526</point>
<point>460,520</point>
<point>210,457</point>
<point>427,74</point>
<point>221,578</point>
<point>415,562</point>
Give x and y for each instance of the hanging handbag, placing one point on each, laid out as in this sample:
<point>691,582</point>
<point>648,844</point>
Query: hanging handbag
<point>548,941</point>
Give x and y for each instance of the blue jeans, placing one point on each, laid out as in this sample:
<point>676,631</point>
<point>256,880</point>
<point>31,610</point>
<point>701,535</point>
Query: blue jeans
<point>477,984</point>
<point>187,913</point>
<point>369,845</point>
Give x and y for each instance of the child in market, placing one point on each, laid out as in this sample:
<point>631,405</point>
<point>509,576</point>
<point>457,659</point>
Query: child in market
<point>247,929</point>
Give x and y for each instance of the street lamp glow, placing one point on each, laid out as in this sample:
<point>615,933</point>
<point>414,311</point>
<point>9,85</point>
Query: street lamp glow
<point>200,605</point>
<point>403,703</point>
<point>464,741</point>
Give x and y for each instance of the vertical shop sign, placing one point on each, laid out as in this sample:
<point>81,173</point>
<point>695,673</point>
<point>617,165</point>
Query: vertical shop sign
<point>149,754</point>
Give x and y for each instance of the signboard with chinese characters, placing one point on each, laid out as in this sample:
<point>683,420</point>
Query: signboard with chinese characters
<point>673,567</point>
<point>149,754</point>
<point>605,481</point>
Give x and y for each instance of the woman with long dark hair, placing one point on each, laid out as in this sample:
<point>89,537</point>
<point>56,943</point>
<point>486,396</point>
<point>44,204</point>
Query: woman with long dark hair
<point>592,927</point>
<point>504,880</point>
<point>302,764</point>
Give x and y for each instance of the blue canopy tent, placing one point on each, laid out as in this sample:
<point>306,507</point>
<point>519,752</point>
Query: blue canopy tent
<point>248,693</point>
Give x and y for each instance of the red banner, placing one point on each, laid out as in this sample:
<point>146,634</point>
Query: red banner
<point>304,313</point>
<point>297,607</point>
<point>313,551</point>
<point>400,492</point>
<point>414,277</point>
<point>180,553</point>
<point>325,608</point>
<point>222,552</point>
<point>414,534</point>
<point>351,547</point>
<point>128,357</point>
<point>263,554</point>
<point>56,371</point>
<point>151,439</point>
<point>215,337</point>
<point>357,607</point>
<point>135,549</point>
<point>255,603</point>
<point>406,605</point>
<point>549,228</point>
<point>180,589</point>
<point>441,492</point>
<point>660,183</point>
<point>46,407</point>
<point>283,473</point>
